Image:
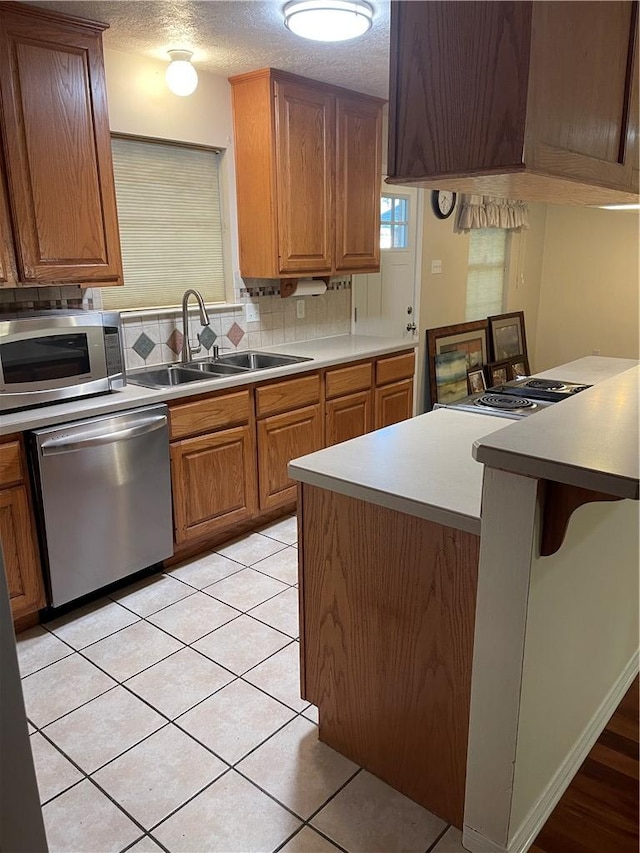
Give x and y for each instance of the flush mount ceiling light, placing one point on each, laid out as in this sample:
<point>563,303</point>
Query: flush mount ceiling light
<point>181,76</point>
<point>328,20</point>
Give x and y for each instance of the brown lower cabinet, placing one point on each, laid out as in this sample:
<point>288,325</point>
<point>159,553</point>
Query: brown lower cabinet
<point>392,402</point>
<point>17,532</point>
<point>348,417</point>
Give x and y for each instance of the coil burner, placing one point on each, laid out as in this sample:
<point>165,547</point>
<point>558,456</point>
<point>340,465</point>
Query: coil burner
<point>504,402</point>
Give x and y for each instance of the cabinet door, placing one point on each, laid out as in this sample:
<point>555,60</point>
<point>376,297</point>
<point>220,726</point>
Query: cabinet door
<point>358,173</point>
<point>282,438</point>
<point>348,417</point>
<point>394,403</point>
<point>7,258</point>
<point>305,156</point>
<point>21,563</point>
<point>213,481</point>
<point>58,150</point>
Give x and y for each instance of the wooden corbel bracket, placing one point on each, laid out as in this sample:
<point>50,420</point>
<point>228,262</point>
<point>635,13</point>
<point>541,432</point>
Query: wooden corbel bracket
<point>560,502</point>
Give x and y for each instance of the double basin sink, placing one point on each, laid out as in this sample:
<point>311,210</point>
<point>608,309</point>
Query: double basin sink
<point>233,364</point>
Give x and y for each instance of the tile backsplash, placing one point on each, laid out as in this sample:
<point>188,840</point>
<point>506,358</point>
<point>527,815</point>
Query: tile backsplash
<point>157,338</point>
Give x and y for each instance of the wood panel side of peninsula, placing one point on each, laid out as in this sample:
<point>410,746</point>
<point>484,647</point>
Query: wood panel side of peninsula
<point>387,606</point>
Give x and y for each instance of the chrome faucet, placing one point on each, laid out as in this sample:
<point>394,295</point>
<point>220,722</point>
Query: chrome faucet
<point>187,349</point>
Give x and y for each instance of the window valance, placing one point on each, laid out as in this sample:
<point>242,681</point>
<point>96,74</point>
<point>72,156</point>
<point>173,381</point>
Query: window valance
<point>486,211</point>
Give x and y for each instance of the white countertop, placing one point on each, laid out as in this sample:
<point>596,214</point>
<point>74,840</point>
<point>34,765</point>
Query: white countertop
<point>421,467</point>
<point>324,352</point>
<point>424,466</point>
<point>590,440</point>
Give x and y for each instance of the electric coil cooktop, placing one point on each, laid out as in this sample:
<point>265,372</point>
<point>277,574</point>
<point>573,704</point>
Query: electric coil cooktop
<point>518,398</point>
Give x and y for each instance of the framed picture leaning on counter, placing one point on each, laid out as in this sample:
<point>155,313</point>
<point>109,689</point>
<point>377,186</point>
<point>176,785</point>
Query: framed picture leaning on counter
<point>507,336</point>
<point>452,351</point>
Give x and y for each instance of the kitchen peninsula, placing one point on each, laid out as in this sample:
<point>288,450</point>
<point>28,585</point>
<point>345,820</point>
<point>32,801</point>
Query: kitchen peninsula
<point>444,652</point>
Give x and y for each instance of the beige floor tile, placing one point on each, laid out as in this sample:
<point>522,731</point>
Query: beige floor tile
<point>235,720</point>
<point>205,570</point>
<point>245,589</point>
<point>151,594</point>
<point>193,617</point>
<point>451,842</point>
<point>368,816</point>
<point>38,648</point>
<point>311,713</point>
<point>284,530</point>
<point>280,612</point>
<point>297,769</point>
<point>179,682</point>
<point>62,687</point>
<point>131,650</point>
<point>279,676</point>
<point>84,820</point>
<point>104,728</point>
<point>308,841</point>
<point>53,771</point>
<point>231,816</point>
<point>159,775</point>
<point>241,644</point>
<point>282,566</point>
<point>145,845</point>
<point>250,548</point>
<point>92,623</point>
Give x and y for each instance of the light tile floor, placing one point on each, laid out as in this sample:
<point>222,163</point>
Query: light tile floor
<point>168,717</point>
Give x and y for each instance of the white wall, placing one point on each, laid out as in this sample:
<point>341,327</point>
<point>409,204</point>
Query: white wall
<point>581,634</point>
<point>589,285</point>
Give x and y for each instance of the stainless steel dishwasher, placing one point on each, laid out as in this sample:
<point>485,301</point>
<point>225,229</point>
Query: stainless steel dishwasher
<point>105,499</point>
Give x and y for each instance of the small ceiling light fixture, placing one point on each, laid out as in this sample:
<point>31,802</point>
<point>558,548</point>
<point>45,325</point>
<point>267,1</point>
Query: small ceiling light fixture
<point>619,206</point>
<point>328,20</point>
<point>181,76</point>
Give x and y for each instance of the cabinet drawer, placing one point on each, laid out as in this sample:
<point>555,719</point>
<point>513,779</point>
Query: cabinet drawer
<point>10,463</point>
<point>206,415</point>
<point>394,368</point>
<point>346,380</point>
<point>284,396</point>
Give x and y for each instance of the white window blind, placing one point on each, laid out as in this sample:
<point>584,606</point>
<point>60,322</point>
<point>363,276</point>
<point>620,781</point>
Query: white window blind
<point>170,226</point>
<point>486,274</point>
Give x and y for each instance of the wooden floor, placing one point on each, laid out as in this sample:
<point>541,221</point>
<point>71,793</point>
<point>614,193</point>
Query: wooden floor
<point>599,811</point>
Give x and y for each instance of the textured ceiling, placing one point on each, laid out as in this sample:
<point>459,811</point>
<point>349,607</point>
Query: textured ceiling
<point>242,35</point>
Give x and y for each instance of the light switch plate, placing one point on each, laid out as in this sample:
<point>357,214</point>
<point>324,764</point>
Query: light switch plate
<point>436,267</point>
<point>300,309</point>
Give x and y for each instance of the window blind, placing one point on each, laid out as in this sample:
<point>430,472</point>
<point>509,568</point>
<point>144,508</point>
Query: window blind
<point>168,201</point>
<point>486,272</point>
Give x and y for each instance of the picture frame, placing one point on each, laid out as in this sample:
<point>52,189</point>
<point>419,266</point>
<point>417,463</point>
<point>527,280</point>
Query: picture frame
<point>519,367</point>
<point>507,336</point>
<point>499,372</point>
<point>476,381</point>
<point>447,371</point>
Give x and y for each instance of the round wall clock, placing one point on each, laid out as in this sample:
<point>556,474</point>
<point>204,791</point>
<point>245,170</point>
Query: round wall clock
<point>443,202</point>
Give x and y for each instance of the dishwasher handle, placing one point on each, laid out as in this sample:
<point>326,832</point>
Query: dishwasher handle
<point>77,441</point>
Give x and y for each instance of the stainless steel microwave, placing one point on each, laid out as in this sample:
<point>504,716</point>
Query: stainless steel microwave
<point>53,356</point>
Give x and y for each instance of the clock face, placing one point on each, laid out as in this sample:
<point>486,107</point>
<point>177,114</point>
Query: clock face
<point>443,203</point>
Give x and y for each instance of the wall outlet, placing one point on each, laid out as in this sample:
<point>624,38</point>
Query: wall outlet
<point>252,312</point>
<point>300,309</point>
<point>436,267</point>
<point>595,352</point>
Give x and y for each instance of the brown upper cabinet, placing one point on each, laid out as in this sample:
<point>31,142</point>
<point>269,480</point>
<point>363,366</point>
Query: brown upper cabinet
<point>308,167</point>
<point>532,100</point>
<point>59,219</point>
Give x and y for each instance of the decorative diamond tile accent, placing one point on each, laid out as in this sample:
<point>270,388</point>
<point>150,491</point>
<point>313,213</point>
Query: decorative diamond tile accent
<point>144,346</point>
<point>235,334</point>
<point>207,337</point>
<point>175,341</point>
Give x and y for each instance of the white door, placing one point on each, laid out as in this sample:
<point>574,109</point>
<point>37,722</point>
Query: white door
<point>386,303</point>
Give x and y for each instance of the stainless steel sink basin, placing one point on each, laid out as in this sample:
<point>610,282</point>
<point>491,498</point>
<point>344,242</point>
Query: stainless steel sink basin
<point>215,368</point>
<point>252,360</point>
<point>163,376</point>
<point>233,364</point>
